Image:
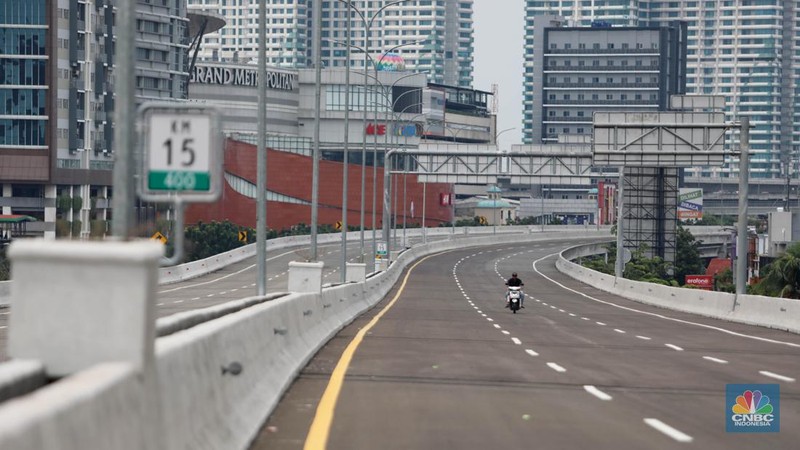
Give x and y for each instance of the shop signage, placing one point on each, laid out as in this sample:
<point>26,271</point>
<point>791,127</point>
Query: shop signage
<point>241,76</point>
<point>700,281</point>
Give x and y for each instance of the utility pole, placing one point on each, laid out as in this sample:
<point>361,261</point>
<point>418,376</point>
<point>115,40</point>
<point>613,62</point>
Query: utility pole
<point>261,157</point>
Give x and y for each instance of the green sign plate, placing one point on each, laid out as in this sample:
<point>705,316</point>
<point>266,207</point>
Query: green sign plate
<point>178,180</point>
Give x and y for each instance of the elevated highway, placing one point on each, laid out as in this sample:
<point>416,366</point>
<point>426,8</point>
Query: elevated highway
<point>439,363</point>
<point>443,365</point>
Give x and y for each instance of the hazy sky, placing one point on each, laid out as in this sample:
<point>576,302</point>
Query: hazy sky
<point>499,30</point>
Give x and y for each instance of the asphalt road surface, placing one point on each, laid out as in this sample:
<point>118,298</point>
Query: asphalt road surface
<point>446,366</point>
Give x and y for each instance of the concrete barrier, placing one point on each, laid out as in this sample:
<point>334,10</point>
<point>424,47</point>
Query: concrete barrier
<point>215,382</point>
<point>106,406</point>
<point>194,269</point>
<point>770,312</point>
<point>19,377</point>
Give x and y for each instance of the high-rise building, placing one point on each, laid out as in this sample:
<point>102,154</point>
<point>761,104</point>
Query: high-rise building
<point>432,36</point>
<point>576,71</point>
<point>744,50</point>
<point>57,76</point>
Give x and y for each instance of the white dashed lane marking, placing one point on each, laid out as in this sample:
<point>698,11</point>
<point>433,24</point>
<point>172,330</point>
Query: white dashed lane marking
<point>531,352</point>
<point>716,360</point>
<point>767,373</point>
<point>644,338</point>
<point>668,430</point>
<point>556,367</point>
<point>597,392</point>
<point>674,347</point>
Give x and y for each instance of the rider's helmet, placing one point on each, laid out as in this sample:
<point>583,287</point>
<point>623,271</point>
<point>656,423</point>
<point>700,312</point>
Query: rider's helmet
<point>514,274</point>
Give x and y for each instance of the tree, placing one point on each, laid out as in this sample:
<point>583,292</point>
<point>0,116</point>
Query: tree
<point>5,264</point>
<point>723,281</point>
<point>208,239</point>
<point>650,270</point>
<point>687,256</point>
<point>782,277</point>
<point>602,263</point>
<point>711,220</point>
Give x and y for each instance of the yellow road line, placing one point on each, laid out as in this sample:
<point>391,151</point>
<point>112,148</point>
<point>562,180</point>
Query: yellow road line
<point>317,438</point>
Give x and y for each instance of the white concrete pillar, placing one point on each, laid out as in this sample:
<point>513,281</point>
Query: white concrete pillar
<point>305,276</point>
<point>6,193</point>
<point>86,208</point>
<point>380,264</point>
<point>98,304</point>
<point>356,272</point>
<point>103,194</point>
<point>50,211</point>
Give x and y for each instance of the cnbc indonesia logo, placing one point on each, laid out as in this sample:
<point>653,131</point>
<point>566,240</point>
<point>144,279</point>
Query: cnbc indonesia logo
<point>753,408</point>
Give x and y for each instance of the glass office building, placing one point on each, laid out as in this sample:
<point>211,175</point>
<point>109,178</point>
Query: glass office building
<point>57,88</point>
<point>23,87</point>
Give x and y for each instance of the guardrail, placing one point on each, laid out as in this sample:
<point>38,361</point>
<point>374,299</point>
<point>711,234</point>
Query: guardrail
<point>210,386</point>
<point>186,271</point>
<point>778,313</point>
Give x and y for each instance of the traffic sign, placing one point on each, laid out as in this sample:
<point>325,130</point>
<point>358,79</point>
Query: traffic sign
<point>157,236</point>
<point>381,251</point>
<point>182,153</point>
<point>243,236</point>
<point>338,225</point>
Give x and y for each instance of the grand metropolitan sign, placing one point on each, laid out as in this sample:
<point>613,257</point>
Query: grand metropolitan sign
<point>241,76</point>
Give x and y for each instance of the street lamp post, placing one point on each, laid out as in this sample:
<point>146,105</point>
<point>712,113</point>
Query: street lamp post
<point>453,194</point>
<point>497,135</point>
<point>346,157</point>
<point>367,22</point>
<point>317,55</point>
<point>395,117</point>
<point>367,25</point>
<point>261,158</point>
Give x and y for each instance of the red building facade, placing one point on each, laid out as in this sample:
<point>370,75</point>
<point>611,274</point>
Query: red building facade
<point>289,181</point>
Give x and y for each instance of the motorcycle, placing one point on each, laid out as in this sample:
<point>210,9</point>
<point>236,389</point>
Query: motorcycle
<point>514,297</point>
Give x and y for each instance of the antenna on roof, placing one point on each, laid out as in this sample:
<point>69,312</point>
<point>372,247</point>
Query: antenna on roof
<point>495,98</point>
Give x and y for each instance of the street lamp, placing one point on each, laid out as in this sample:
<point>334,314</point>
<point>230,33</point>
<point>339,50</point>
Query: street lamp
<point>497,135</point>
<point>367,22</point>
<point>493,191</point>
<point>346,148</point>
<point>453,195</point>
<point>387,183</point>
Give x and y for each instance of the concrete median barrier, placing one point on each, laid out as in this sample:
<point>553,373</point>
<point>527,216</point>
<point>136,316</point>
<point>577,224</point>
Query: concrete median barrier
<point>770,312</point>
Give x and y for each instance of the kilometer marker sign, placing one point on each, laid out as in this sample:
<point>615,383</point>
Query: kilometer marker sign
<point>182,153</point>
<point>179,157</point>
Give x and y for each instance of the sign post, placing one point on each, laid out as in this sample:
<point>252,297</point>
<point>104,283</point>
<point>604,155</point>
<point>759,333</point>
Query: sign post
<point>181,159</point>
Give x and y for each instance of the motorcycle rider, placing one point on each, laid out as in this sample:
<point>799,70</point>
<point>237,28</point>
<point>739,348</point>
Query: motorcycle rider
<point>514,281</point>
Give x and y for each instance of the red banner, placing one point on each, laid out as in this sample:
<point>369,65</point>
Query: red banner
<point>701,281</point>
<point>445,199</point>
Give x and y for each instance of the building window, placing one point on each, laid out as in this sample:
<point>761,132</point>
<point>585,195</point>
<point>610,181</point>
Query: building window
<point>335,98</point>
